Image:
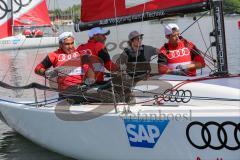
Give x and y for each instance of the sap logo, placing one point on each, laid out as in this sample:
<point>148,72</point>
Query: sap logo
<point>144,133</point>
<point>16,41</point>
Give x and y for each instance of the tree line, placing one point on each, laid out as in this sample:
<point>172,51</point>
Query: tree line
<point>231,6</point>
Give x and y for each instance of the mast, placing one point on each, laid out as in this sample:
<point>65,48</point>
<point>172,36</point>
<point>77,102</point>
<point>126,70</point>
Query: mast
<point>12,18</point>
<point>219,33</point>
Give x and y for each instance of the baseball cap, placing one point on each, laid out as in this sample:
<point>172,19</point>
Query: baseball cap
<point>134,34</point>
<point>98,30</point>
<point>169,28</point>
<point>65,35</point>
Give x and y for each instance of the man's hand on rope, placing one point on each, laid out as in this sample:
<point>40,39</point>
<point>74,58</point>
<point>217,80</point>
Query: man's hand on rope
<point>51,73</point>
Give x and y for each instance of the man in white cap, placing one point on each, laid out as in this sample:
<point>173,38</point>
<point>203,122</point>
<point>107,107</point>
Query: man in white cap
<point>99,59</point>
<point>66,47</point>
<point>179,56</point>
<point>95,47</point>
<point>67,64</point>
<point>137,56</point>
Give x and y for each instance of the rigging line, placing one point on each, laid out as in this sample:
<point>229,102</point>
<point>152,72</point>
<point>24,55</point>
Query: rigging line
<point>8,69</point>
<point>205,43</point>
<point>212,17</point>
<point>135,65</point>
<point>159,96</point>
<point>32,65</point>
<point>194,22</point>
<point>211,60</point>
<point>62,73</point>
<point>199,52</point>
<point>142,102</point>
<point>34,61</point>
<point>211,51</point>
<point>185,82</point>
<point>177,86</point>
<point>44,92</point>
<point>208,59</point>
<point>193,97</point>
<point>50,79</point>
<point>51,101</point>
<point>117,36</point>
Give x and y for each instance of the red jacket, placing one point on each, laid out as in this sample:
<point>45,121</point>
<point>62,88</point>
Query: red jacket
<point>99,58</point>
<point>185,53</point>
<point>70,69</point>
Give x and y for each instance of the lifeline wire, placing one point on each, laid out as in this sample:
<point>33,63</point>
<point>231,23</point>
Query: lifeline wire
<point>117,36</point>
<point>135,65</point>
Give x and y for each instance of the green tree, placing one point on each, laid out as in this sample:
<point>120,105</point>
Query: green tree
<point>231,6</point>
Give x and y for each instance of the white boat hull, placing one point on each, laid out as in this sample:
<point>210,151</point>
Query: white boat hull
<point>21,42</point>
<point>148,132</point>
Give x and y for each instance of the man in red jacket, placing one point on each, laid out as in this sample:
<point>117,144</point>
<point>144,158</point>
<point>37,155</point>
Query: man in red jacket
<point>99,59</point>
<point>67,64</point>
<point>179,56</point>
<point>95,47</point>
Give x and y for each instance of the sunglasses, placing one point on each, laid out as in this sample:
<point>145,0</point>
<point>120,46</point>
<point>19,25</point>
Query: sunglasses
<point>67,44</point>
<point>138,38</point>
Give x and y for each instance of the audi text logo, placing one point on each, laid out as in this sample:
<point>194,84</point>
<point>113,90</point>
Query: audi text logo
<point>223,135</point>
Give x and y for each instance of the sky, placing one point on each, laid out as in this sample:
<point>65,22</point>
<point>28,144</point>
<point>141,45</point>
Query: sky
<point>63,4</point>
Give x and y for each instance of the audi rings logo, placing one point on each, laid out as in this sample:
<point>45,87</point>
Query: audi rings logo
<point>178,53</point>
<point>5,8</point>
<point>177,95</point>
<point>223,135</point>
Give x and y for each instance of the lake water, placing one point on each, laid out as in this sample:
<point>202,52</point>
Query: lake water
<point>16,68</point>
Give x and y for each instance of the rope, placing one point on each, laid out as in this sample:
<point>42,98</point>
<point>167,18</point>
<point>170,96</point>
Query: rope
<point>9,67</point>
<point>194,22</point>
<point>135,65</point>
<point>117,37</point>
<point>50,101</point>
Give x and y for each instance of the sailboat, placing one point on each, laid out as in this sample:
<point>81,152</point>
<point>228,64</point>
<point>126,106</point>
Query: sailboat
<point>174,117</point>
<point>24,14</point>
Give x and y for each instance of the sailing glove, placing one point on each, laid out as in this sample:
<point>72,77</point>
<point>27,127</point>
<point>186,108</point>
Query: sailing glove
<point>51,73</point>
<point>182,67</point>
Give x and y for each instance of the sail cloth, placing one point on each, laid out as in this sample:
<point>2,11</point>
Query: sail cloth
<point>5,19</point>
<point>104,13</point>
<point>25,13</point>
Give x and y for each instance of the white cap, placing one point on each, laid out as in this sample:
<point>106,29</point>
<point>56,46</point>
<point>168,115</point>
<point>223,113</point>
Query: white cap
<point>65,35</point>
<point>169,28</point>
<point>97,30</point>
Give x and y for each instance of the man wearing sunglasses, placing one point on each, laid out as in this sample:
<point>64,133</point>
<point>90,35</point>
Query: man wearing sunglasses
<point>137,56</point>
